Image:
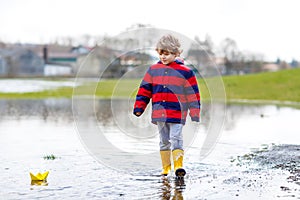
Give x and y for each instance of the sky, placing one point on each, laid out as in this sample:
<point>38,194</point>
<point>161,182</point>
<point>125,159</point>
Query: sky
<point>268,27</point>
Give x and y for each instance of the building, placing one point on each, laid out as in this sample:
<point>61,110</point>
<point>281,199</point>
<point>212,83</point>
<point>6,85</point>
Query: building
<point>94,63</point>
<point>19,61</point>
<point>105,62</point>
<point>3,67</point>
<point>270,67</point>
<point>63,60</point>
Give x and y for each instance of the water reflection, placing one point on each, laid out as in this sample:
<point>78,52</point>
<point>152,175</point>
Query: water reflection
<point>238,112</point>
<point>107,116</point>
<point>172,189</point>
<point>54,109</point>
<point>46,109</point>
<point>39,183</point>
<point>165,189</point>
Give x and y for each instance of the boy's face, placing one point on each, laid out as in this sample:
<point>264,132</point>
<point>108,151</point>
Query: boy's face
<point>166,57</point>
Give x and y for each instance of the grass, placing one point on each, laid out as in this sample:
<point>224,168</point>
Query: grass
<point>281,86</point>
<point>64,92</point>
<point>50,157</point>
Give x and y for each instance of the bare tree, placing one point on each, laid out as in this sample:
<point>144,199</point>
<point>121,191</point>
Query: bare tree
<point>229,51</point>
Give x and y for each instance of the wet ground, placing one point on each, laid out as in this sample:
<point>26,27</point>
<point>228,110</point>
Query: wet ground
<point>284,158</point>
<point>256,157</point>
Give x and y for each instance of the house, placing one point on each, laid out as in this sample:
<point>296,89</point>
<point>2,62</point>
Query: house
<point>61,60</point>
<point>270,67</point>
<point>57,70</point>
<point>94,63</point>
<point>3,67</point>
<point>19,61</point>
<point>135,63</point>
<point>111,63</point>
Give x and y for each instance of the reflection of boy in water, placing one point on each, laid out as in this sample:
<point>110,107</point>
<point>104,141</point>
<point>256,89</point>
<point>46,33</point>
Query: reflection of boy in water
<point>174,90</point>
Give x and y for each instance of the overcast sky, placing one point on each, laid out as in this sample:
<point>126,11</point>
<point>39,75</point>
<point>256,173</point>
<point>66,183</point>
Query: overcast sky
<point>270,27</point>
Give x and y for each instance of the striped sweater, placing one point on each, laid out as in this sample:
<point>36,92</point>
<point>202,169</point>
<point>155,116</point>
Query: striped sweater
<point>173,89</point>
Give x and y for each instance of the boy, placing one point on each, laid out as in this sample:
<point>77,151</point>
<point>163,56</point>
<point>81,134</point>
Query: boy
<point>174,90</point>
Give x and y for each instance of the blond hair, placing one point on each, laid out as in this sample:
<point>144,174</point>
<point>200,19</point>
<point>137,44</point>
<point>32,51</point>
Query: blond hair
<point>169,43</point>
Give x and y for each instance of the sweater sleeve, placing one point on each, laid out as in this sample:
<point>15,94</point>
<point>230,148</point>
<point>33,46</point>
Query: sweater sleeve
<point>193,97</point>
<point>144,94</point>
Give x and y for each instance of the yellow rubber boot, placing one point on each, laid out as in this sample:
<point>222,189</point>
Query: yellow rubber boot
<point>166,162</point>
<point>178,160</point>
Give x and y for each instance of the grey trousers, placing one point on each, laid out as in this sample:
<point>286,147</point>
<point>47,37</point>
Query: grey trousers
<point>170,136</point>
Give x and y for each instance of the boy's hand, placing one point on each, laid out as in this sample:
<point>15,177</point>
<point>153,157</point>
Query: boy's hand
<point>138,114</point>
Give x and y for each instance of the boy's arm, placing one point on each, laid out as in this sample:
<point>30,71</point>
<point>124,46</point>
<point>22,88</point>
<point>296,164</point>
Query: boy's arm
<point>144,95</point>
<point>193,97</point>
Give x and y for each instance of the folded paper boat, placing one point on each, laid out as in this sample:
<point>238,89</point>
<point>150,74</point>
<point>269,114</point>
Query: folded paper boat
<point>39,176</point>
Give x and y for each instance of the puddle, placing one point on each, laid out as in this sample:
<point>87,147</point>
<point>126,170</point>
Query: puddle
<point>33,132</point>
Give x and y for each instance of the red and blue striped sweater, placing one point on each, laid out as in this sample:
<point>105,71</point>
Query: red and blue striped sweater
<point>173,89</point>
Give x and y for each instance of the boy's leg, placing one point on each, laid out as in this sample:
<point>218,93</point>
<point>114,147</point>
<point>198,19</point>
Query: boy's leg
<point>164,130</point>
<point>176,136</point>
<point>165,145</point>
<point>177,148</point>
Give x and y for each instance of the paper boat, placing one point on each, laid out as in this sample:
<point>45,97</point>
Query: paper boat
<point>39,176</point>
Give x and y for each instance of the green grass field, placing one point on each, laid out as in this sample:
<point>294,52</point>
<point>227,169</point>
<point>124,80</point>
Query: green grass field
<point>280,86</point>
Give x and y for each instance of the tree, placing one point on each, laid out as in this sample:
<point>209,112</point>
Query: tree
<point>229,51</point>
